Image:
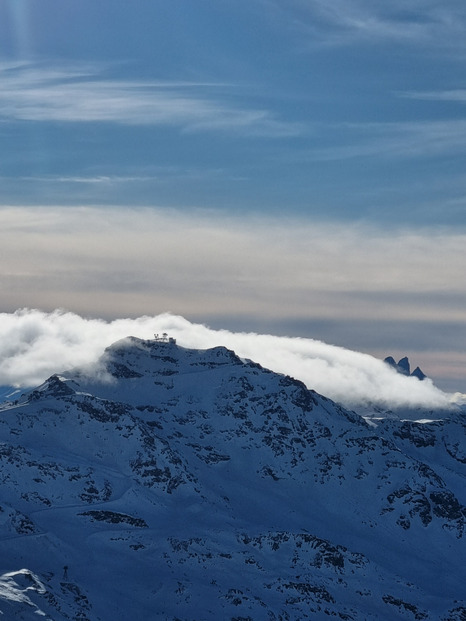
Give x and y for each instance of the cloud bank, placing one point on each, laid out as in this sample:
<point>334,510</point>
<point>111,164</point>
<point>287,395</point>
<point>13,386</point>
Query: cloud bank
<point>111,262</point>
<point>383,291</point>
<point>35,344</point>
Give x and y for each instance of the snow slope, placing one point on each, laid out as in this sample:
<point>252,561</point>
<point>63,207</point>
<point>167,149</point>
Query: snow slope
<point>192,484</point>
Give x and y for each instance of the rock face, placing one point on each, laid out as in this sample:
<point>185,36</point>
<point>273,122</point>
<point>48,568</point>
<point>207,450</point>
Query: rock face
<point>403,366</point>
<point>184,485</point>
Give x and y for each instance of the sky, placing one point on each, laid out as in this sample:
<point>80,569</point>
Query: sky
<point>283,167</point>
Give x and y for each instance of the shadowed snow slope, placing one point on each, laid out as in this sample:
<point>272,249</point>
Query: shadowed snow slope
<point>193,484</point>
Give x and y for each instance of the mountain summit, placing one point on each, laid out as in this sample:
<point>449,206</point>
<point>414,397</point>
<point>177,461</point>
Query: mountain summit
<point>403,366</point>
<point>181,484</point>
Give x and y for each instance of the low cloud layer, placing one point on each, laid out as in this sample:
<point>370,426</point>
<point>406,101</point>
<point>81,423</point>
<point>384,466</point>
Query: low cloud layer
<point>34,345</point>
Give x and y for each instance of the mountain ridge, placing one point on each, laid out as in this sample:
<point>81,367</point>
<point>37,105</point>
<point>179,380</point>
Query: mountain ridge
<point>216,488</point>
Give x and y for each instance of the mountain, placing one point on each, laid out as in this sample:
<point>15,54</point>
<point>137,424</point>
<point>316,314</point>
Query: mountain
<point>180,484</point>
<point>403,366</point>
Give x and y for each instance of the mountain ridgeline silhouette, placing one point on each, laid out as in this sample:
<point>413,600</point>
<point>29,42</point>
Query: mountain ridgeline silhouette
<point>403,366</point>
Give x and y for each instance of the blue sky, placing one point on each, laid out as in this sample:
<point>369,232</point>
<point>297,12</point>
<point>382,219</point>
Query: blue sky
<point>278,126</point>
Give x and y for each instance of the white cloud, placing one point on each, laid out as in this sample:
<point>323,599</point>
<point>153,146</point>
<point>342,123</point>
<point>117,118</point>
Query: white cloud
<point>240,271</point>
<point>34,344</point>
<point>33,93</point>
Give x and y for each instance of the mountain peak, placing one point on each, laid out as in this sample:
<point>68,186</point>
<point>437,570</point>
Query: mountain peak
<point>135,357</point>
<point>418,373</point>
<point>404,368</point>
<point>404,365</point>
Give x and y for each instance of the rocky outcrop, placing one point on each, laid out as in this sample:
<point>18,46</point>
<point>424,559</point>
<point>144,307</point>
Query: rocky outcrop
<point>403,366</point>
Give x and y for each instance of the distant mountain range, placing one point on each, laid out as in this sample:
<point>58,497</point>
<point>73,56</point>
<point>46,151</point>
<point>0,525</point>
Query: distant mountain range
<point>193,485</point>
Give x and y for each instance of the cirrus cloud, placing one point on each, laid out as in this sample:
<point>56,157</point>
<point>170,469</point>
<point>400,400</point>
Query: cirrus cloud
<point>84,95</point>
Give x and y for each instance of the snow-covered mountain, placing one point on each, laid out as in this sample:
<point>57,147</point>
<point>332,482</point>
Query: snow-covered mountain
<point>185,484</point>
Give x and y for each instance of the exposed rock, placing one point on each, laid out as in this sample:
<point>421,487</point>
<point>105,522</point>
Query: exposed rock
<point>403,366</point>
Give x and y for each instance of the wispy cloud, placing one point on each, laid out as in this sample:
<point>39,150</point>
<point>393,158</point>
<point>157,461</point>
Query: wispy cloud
<point>33,93</point>
<point>453,95</point>
<point>143,174</point>
<point>395,139</point>
<point>96,179</point>
<point>344,22</point>
<point>33,345</point>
